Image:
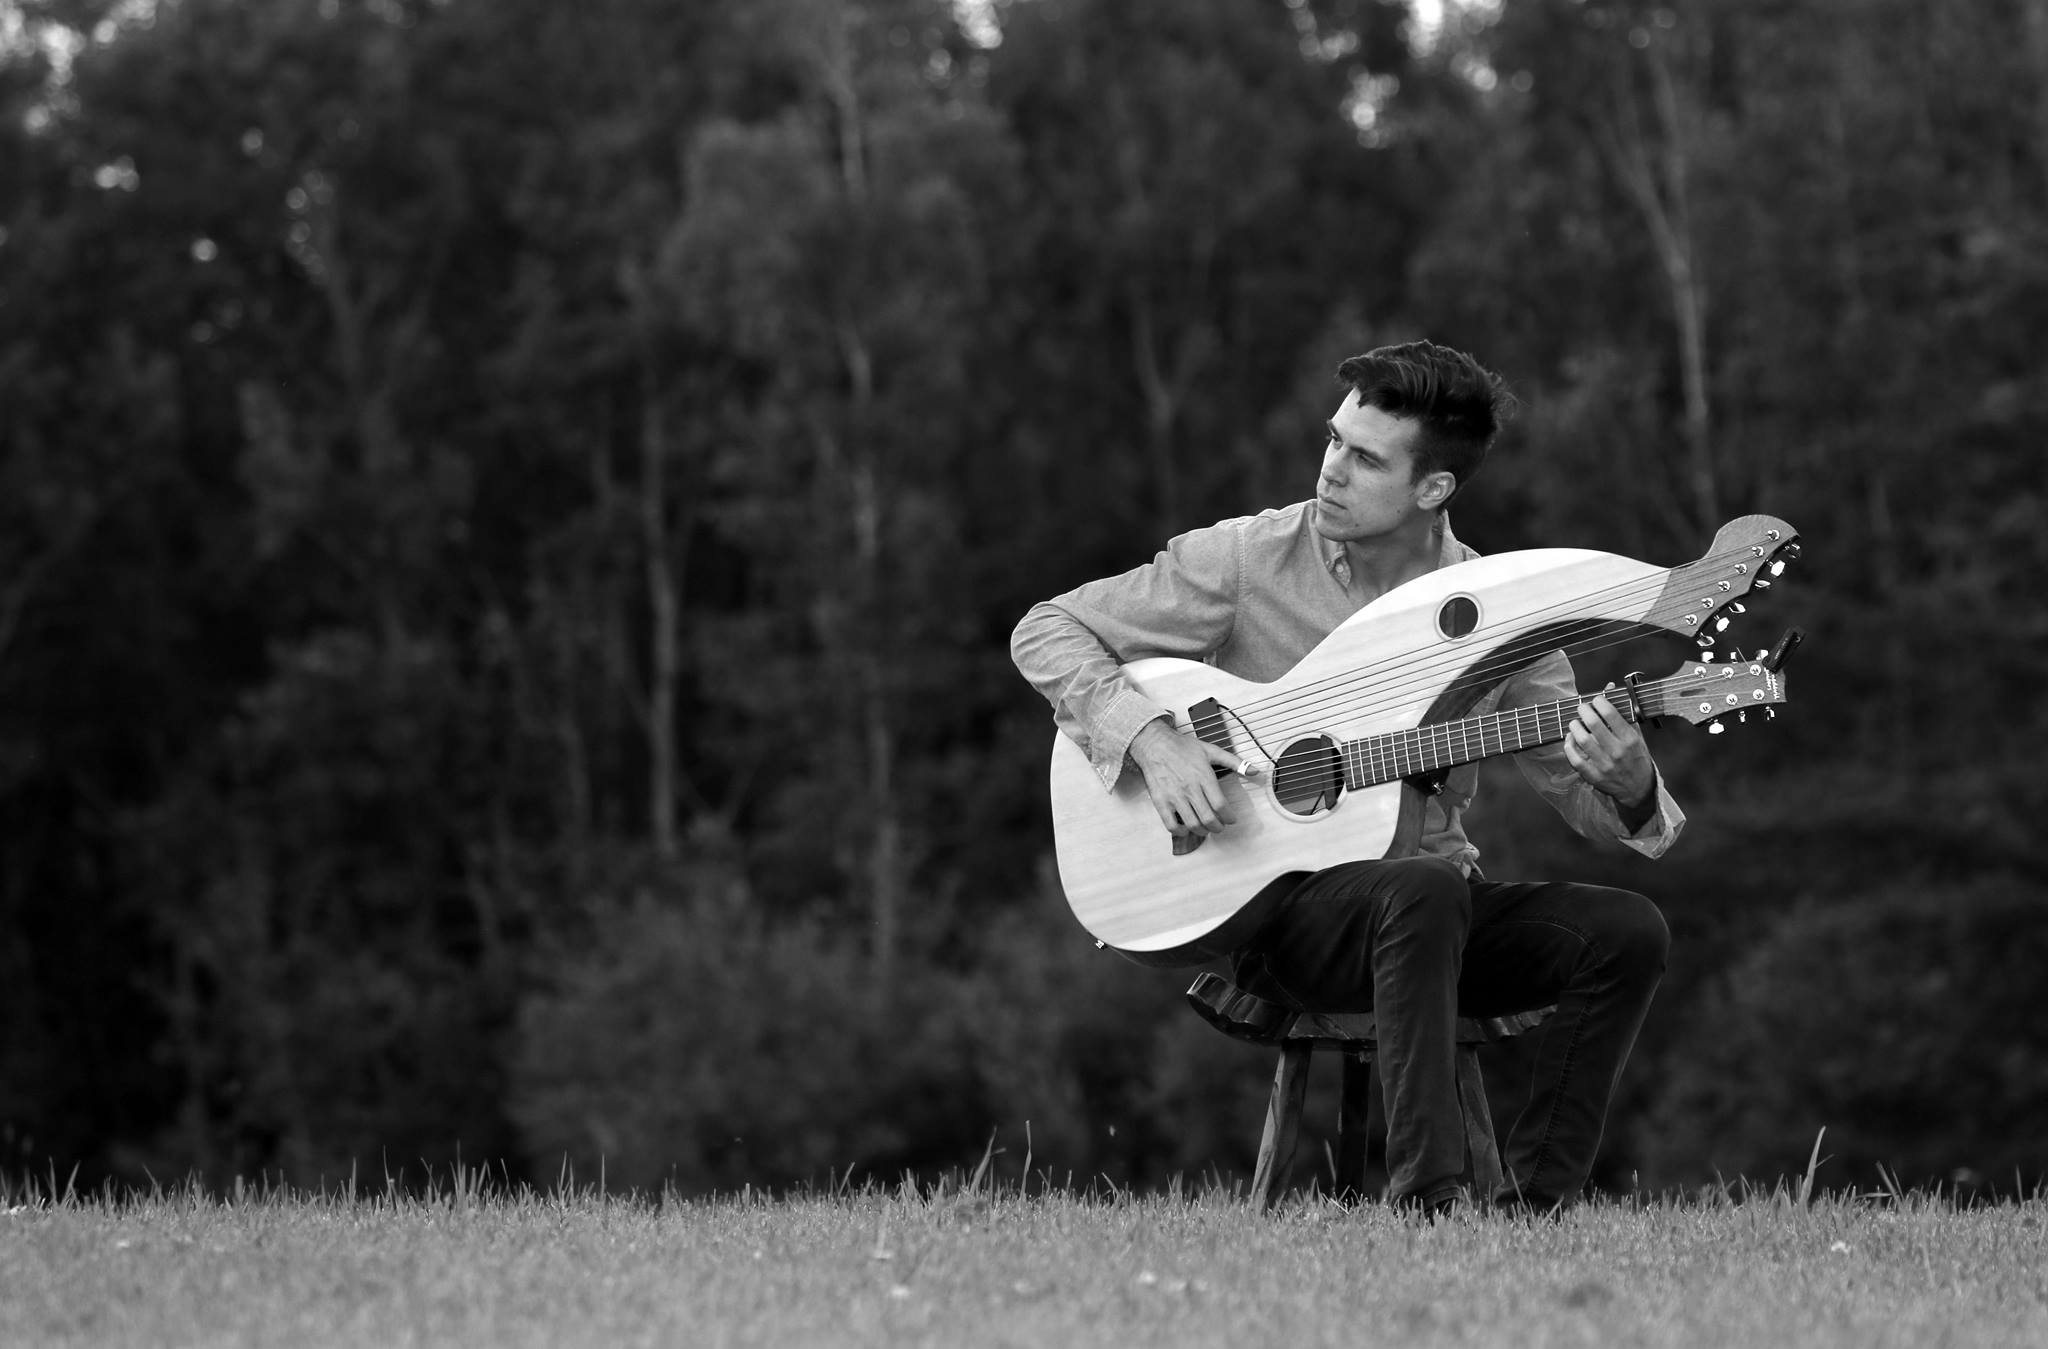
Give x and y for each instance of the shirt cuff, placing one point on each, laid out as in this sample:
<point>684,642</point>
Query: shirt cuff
<point>1109,740</point>
<point>1660,831</point>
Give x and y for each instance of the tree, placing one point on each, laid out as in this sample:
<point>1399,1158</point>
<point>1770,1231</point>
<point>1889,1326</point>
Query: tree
<point>838,245</point>
<point>1204,208</point>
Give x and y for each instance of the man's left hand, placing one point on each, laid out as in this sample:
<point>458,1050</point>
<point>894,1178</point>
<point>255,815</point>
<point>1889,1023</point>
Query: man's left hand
<point>1607,750</point>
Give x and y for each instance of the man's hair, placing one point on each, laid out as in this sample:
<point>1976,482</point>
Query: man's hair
<point>1459,403</point>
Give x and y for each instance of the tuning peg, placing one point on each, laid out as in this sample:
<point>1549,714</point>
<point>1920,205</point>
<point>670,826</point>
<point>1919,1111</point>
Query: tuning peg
<point>1777,568</point>
<point>1774,659</point>
<point>1721,624</point>
<point>1761,583</point>
<point>1791,550</point>
<point>1706,641</point>
<point>1715,728</point>
<point>1738,607</point>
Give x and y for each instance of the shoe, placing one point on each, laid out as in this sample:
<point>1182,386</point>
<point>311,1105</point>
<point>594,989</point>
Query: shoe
<point>1437,1205</point>
<point>1519,1204</point>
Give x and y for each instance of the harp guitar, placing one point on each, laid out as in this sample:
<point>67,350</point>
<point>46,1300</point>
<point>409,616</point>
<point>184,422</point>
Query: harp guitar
<point>1339,743</point>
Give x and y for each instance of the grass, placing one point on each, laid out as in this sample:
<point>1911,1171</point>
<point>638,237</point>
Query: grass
<point>969,1263</point>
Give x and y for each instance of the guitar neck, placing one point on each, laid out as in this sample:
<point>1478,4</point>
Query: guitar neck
<point>1428,749</point>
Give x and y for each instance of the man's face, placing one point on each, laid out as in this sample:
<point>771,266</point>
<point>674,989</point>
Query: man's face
<point>1368,487</point>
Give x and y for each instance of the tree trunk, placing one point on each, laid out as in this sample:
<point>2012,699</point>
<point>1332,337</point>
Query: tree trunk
<point>868,654</point>
<point>1655,178</point>
<point>2035,19</point>
<point>663,663</point>
<point>1162,413</point>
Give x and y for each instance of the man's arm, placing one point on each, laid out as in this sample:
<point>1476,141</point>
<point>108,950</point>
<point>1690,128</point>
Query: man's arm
<point>1601,778</point>
<point>1072,649</point>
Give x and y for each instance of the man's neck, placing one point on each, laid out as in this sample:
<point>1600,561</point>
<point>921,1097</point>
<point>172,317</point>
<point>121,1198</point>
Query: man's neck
<point>1379,564</point>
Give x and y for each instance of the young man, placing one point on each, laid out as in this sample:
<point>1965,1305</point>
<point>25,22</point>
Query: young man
<point>1422,939</point>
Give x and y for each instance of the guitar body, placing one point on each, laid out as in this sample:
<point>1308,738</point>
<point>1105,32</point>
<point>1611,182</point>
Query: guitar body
<point>1420,654</point>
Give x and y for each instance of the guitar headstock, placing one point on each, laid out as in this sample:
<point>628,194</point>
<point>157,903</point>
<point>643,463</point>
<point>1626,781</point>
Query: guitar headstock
<point>1707,692</point>
<point>1701,597</point>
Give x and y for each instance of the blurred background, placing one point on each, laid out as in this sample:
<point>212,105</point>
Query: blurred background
<point>511,515</point>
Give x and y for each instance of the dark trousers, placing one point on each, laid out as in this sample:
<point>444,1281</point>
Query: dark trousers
<point>1419,945</point>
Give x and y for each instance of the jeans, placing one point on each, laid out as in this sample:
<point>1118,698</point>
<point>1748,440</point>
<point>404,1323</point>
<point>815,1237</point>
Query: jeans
<point>1418,944</point>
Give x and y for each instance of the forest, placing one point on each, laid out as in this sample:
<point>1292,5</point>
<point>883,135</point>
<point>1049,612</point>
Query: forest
<point>511,515</point>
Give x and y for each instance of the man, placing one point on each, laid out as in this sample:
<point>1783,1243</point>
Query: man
<point>1422,939</point>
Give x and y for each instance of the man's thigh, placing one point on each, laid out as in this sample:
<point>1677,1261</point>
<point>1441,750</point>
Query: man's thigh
<point>1529,938</point>
<point>1322,942</point>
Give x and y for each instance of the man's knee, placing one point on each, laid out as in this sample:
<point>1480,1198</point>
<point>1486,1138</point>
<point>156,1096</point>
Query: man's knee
<point>1635,934</point>
<point>1427,895</point>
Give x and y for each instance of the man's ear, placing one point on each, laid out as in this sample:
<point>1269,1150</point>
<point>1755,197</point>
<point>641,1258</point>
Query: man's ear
<point>1436,489</point>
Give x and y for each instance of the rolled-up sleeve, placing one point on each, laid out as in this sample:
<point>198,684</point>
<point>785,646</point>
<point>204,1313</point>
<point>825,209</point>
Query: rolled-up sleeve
<point>1588,810</point>
<point>1073,648</point>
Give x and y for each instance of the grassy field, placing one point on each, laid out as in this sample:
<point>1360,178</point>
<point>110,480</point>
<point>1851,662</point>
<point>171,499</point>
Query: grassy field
<point>465,1265</point>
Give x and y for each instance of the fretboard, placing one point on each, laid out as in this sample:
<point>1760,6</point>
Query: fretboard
<point>1428,749</point>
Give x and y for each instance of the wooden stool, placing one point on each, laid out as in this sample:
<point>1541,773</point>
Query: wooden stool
<point>1245,1016</point>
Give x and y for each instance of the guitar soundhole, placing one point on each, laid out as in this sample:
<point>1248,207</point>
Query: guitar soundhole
<point>1458,616</point>
<point>1309,776</point>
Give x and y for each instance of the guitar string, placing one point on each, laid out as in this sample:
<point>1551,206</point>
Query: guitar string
<point>1426,740</point>
<point>1423,732</point>
<point>1423,677</point>
<point>1362,697</point>
<point>1395,681</point>
<point>1317,772</point>
<point>1632,588</point>
<point>1286,735</point>
<point>1392,685</point>
<point>1286,781</point>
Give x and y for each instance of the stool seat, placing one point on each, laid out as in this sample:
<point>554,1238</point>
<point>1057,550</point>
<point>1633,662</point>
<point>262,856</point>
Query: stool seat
<point>1298,1034</point>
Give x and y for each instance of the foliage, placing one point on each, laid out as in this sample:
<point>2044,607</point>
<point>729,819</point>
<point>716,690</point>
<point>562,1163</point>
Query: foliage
<point>687,1043</point>
<point>480,480</point>
<point>692,1045</point>
<point>1906,1023</point>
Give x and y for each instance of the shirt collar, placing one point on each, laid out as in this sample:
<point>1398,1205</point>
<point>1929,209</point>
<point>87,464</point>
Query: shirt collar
<point>1339,562</point>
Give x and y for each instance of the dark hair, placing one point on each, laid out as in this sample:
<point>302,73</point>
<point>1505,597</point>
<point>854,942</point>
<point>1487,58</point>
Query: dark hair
<point>1459,403</point>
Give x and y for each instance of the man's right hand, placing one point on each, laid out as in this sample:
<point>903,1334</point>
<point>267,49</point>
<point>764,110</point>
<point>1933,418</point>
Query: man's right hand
<point>1180,775</point>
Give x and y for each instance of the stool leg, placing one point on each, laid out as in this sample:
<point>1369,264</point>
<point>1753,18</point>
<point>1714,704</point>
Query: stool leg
<point>1351,1121</point>
<point>1283,1121</point>
<point>1487,1179</point>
